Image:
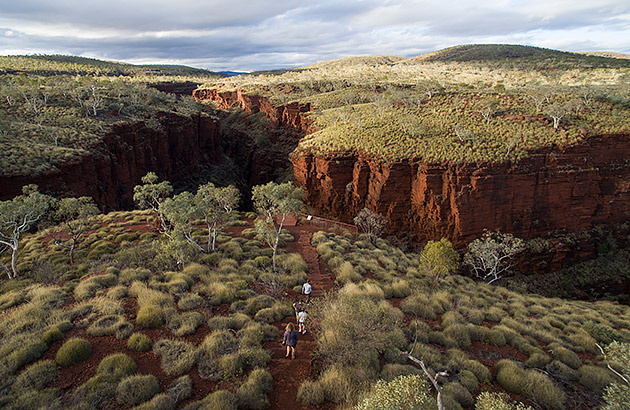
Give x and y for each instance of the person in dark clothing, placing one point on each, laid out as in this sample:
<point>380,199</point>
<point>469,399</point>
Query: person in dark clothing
<point>290,340</point>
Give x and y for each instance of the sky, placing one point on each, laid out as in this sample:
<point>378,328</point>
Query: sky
<point>248,35</point>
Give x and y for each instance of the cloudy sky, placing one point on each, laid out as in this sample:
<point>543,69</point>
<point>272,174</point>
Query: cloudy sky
<point>248,35</point>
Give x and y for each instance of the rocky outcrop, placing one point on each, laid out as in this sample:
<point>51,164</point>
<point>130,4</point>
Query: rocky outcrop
<point>127,152</point>
<point>262,158</point>
<point>556,189</point>
<point>289,115</point>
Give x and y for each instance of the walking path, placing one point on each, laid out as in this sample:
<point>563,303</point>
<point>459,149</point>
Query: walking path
<point>288,374</point>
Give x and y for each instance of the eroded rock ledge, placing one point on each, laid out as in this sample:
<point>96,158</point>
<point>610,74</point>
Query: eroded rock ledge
<point>127,152</point>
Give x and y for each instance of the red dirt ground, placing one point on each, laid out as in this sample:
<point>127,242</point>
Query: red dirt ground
<point>287,374</point>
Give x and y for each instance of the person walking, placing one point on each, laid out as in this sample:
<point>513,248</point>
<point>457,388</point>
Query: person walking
<point>307,289</point>
<point>290,340</point>
<point>301,316</point>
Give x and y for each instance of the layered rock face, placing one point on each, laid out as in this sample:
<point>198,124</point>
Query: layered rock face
<point>553,190</point>
<point>289,116</point>
<point>568,189</point>
<point>259,161</point>
<point>128,151</point>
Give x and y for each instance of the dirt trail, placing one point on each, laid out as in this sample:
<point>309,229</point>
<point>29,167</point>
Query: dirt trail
<point>288,374</point>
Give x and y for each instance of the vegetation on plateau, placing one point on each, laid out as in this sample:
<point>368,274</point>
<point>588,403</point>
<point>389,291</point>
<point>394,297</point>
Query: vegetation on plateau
<point>55,109</point>
<point>471,103</point>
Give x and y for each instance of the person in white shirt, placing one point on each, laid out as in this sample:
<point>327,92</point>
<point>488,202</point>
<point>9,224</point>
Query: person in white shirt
<point>307,289</point>
<point>302,321</point>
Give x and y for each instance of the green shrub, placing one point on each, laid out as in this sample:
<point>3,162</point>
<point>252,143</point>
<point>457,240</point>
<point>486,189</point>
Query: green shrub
<point>150,316</point>
<point>336,384</point>
<point>567,357</point>
<point>460,334</point>
<point>530,383</point>
<point>190,302</point>
<point>235,322</point>
<point>311,392</point>
<point>538,360</point>
<point>497,401</point>
<point>618,393</point>
<point>404,392</point>
<point>36,376</point>
<point>52,335</point>
<point>117,365</point>
<point>185,323</point>
<point>110,325</point>
<point>178,357</point>
<point>73,351</point>
<point>596,378</point>
<point>218,400</point>
<point>139,342</point>
<point>562,371</point>
<point>459,393</point>
<point>392,370</point>
<point>604,334</point>
<point>253,393</point>
<point>468,379</point>
<point>22,355</point>
<point>136,389</point>
<point>420,306</point>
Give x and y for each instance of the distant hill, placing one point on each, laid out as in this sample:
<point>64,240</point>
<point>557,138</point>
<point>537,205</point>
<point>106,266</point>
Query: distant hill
<point>73,65</point>
<point>510,52</point>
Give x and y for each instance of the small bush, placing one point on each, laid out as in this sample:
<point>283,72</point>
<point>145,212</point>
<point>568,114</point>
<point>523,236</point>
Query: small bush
<point>110,325</point>
<point>117,365</point>
<point>150,316</point>
<point>73,351</point>
<point>562,371</point>
<point>253,393</point>
<point>185,323</point>
<point>139,342</point>
<point>459,393</point>
<point>497,401</point>
<point>36,376</point>
<point>392,370</point>
<point>336,384</point>
<point>530,383</point>
<point>567,357</point>
<point>178,357</point>
<point>190,302</point>
<point>218,400</point>
<point>468,380</point>
<point>136,389</point>
<point>404,392</point>
<point>52,335</point>
<point>311,392</point>
<point>420,306</point>
<point>596,378</point>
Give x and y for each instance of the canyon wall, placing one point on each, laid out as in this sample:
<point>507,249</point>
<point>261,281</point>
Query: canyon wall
<point>560,189</point>
<point>288,116</point>
<point>553,190</point>
<point>127,152</point>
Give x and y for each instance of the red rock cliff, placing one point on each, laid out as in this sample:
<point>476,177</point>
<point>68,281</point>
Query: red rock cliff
<point>289,115</point>
<point>128,152</point>
<point>568,189</point>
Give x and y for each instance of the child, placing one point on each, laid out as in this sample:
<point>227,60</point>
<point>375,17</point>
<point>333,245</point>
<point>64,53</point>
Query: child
<point>301,316</point>
<point>290,340</point>
<point>307,289</point>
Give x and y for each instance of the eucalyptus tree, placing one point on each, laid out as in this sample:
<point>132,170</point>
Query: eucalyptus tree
<point>274,202</point>
<point>371,223</point>
<point>211,204</point>
<point>75,217</point>
<point>151,194</point>
<point>17,216</point>
<point>492,255</point>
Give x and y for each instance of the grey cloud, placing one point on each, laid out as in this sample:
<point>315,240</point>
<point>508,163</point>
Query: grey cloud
<point>264,34</point>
